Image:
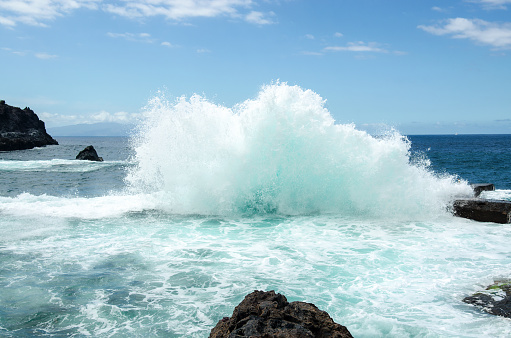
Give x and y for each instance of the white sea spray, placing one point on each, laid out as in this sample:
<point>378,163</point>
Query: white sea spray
<point>280,152</point>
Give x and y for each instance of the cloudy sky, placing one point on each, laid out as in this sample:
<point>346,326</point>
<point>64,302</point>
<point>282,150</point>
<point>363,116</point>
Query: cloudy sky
<point>424,67</point>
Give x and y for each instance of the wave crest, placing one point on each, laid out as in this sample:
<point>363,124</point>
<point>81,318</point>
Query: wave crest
<point>280,153</point>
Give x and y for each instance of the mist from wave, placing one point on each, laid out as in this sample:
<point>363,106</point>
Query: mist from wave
<point>281,152</point>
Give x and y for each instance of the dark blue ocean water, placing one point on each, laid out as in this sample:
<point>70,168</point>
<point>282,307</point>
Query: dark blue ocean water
<point>475,158</point>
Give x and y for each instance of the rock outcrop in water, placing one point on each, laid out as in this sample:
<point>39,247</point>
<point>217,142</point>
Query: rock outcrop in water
<point>483,210</point>
<point>496,299</point>
<point>480,187</point>
<point>21,129</point>
<point>267,314</point>
<point>89,154</point>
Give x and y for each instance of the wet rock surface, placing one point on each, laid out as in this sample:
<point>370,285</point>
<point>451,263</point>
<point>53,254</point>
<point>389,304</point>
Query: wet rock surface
<point>21,129</point>
<point>480,187</point>
<point>89,154</point>
<point>495,300</point>
<point>483,210</point>
<point>267,314</point>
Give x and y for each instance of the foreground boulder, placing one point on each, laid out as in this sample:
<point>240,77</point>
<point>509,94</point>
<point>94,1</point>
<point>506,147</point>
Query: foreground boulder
<point>21,129</point>
<point>267,314</point>
<point>483,210</point>
<point>496,299</point>
<point>89,154</point>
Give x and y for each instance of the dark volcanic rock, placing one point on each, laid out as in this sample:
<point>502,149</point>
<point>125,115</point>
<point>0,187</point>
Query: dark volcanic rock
<point>496,299</point>
<point>89,154</point>
<point>483,210</point>
<point>21,129</point>
<point>267,314</point>
<point>480,187</point>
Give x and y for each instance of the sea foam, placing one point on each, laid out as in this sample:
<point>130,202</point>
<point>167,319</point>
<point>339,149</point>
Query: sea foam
<point>56,165</point>
<point>44,206</point>
<point>281,152</point>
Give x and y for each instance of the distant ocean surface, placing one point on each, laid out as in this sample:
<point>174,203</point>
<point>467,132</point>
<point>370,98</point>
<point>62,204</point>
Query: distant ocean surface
<point>205,204</point>
<point>474,158</point>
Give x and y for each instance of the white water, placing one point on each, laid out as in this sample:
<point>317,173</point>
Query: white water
<point>270,194</point>
<point>280,152</point>
<point>497,195</point>
<point>55,165</point>
<point>149,274</point>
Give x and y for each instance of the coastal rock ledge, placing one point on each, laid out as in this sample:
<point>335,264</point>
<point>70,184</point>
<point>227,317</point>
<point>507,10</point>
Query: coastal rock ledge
<point>483,210</point>
<point>267,314</point>
<point>21,129</point>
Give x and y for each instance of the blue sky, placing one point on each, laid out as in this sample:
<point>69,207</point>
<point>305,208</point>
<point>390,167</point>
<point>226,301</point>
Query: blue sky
<point>424,67</point>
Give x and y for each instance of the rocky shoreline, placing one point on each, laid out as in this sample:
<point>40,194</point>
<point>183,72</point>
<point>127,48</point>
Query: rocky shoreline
<point>21,129</point>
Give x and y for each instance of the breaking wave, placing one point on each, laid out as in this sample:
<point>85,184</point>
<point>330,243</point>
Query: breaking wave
<point>281,152</point>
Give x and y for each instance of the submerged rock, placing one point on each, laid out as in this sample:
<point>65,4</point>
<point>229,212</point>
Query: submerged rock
<point>496,299</point>
<point>21,129</point>
<point>89,154</point>
<point>267,314</point>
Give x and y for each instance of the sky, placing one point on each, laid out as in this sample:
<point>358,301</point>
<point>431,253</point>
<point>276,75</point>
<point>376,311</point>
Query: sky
<point>422,67</point>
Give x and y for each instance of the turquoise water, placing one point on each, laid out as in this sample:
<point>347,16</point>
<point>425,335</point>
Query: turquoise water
<point>206,204</point>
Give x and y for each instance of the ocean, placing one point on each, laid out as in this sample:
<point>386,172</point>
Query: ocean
<point>204,204</point>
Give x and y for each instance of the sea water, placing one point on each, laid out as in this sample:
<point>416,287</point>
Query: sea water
<point>205,203</point>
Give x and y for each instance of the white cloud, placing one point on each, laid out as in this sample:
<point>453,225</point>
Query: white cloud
<point>39,12</point>
<point>54,120</point>
<point>119,117</point>
<point>36,12</point>
<point>140,37</point>
<point>311,53</point>
<point>7,22</point>
<point>493,4</point>
<point>309,36</point>
<point>203,51</point>
<point>437,9</point>
<point>359,46</point>
<point>338,35</point>
<point>260,18</point>
<point>177,9</point>
<point>45,56</point>
<point>399,52</point>
<point>480,31</point>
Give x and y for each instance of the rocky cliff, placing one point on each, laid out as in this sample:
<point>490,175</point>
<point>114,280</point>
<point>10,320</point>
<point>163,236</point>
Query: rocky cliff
<point>21,129</point>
